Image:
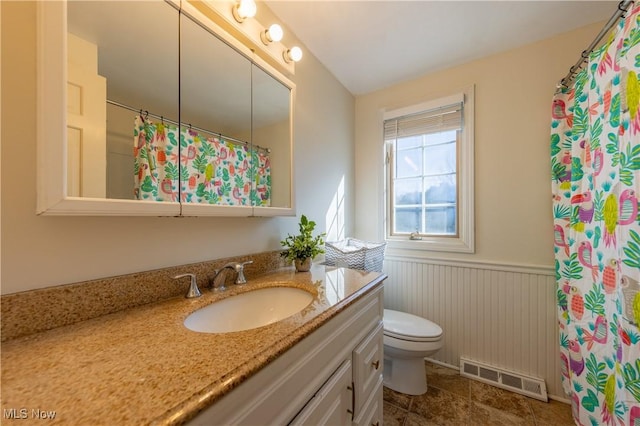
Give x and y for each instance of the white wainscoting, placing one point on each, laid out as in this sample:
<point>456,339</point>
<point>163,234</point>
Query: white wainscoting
<point>502,315</point>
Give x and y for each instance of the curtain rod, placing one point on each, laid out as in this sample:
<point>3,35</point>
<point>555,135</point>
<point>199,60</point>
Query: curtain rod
<point>623,7</point>
<point>159,117</point>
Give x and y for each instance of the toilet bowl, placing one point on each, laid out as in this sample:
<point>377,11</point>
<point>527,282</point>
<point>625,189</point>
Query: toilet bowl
<point>408,339</point>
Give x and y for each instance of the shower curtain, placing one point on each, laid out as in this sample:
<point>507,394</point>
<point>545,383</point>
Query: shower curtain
<point>155,178</point>
<point>209,170</point>
<point>595,149</point>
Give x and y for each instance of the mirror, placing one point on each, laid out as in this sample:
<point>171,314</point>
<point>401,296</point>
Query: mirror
<point>165,113</point>
<point>137,66</point>
<point>272,131</point>
<point>216,119</point>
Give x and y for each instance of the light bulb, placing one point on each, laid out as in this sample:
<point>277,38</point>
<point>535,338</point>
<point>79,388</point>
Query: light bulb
<point>273,33</point>
<point>244,9</point>
<point>294,54</point>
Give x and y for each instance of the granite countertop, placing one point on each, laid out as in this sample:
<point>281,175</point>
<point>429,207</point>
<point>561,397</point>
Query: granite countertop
<point>142,366</point>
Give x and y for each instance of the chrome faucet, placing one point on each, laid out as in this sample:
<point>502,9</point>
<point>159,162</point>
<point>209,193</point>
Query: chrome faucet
<point>238,267</point>
<point>194,291</point>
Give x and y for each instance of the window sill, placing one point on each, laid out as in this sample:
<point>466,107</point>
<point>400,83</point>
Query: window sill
<point>404,245</point>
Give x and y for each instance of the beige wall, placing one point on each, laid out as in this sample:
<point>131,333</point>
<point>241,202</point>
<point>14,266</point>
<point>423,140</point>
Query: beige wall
<point>513,92</point>
<point>45,251</point>
<point>513,206</point>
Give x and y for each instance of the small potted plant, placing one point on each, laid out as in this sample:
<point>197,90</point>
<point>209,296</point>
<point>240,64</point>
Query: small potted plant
<point>301,249</point>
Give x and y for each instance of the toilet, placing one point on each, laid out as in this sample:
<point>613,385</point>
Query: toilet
<point>408,339</point>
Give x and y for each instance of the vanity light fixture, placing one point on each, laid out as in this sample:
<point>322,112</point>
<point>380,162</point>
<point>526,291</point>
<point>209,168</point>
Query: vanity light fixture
<point>292,55</point>
<point>271,34</point>
<point>244,9</point>
<point>239,16</point>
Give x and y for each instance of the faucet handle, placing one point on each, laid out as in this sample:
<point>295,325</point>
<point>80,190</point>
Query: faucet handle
<point>240,279</point>
<point>194,291</point>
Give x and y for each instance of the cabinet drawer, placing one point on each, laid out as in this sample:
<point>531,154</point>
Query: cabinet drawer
<point>372,414</point>
<point>331,405</point>
<point>367,367</point>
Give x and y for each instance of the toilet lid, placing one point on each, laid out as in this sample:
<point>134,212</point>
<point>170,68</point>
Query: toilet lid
<point>409,327</point>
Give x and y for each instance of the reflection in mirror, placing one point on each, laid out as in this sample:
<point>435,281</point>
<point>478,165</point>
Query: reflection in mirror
<point>160,108</point>
<point>272,131</point>
<point>215,92</point>
<point>117,67</point>
<point>334,285</point>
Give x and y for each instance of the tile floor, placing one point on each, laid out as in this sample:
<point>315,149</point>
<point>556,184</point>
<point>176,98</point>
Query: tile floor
<point>453,400</point>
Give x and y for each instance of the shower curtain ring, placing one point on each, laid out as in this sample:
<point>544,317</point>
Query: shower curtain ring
<point>623,9</point>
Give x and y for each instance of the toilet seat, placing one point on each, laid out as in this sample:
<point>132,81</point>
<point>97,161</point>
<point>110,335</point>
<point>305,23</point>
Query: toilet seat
<point>412,328</point>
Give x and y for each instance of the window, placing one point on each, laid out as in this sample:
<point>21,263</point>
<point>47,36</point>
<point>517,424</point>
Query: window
<point>429,169</point>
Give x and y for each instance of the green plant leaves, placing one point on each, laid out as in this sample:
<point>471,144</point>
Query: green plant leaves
<point>171,171</point>
<point>572,269</point>
<point>555,144</point>
<point>304,245</point>
<point>632,40</point>
<point>225,188</point>
<point>631,378</point>
<point>147,184</point>
<point>558,170</point>
<point>172,140</point>
<point>590,401</point>
<point>595,375</point>
<point>632,250</point>
<point>594,300</point>
<point>576,170</point>
<point>200,163</point>
<point>580,121</point>
<point>561,211</point>
<point>629,162</point>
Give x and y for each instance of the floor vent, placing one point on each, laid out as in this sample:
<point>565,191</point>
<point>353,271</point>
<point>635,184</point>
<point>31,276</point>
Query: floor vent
<point>509,380</point>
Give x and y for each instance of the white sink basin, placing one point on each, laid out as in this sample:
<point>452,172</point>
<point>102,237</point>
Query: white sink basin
<point>249,310</point>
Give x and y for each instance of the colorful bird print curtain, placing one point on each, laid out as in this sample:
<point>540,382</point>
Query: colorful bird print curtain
<point>595,159</point>
<point>156,179</point>
<point>200,169</point>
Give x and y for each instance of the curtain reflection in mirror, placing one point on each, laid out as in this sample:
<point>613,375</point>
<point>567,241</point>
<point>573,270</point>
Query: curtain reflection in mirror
<point>155,178</point>
<point>212,170</point>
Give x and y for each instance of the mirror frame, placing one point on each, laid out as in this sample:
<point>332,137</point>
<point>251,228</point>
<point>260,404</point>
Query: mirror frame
<point>51,124</point>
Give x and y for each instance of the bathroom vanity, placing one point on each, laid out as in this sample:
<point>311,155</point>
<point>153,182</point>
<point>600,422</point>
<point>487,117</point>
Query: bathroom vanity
<point>333,376</point>
<point>323,365</point>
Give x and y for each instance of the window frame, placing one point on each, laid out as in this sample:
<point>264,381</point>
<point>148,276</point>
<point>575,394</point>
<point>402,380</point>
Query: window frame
<point>463,241</point>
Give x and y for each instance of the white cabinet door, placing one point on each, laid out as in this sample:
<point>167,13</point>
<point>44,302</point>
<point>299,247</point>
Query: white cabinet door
<point>371,414</point>
<point>332,404</point>
<point>367,367</point>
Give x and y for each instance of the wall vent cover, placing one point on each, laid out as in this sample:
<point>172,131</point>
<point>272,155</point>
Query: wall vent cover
<point>509,380</point>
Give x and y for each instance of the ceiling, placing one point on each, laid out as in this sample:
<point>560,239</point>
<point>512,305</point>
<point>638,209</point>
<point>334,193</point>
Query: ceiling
<point>370,45</point>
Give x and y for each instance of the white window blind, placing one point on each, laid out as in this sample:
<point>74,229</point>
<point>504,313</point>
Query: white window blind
<point>435,120</point>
